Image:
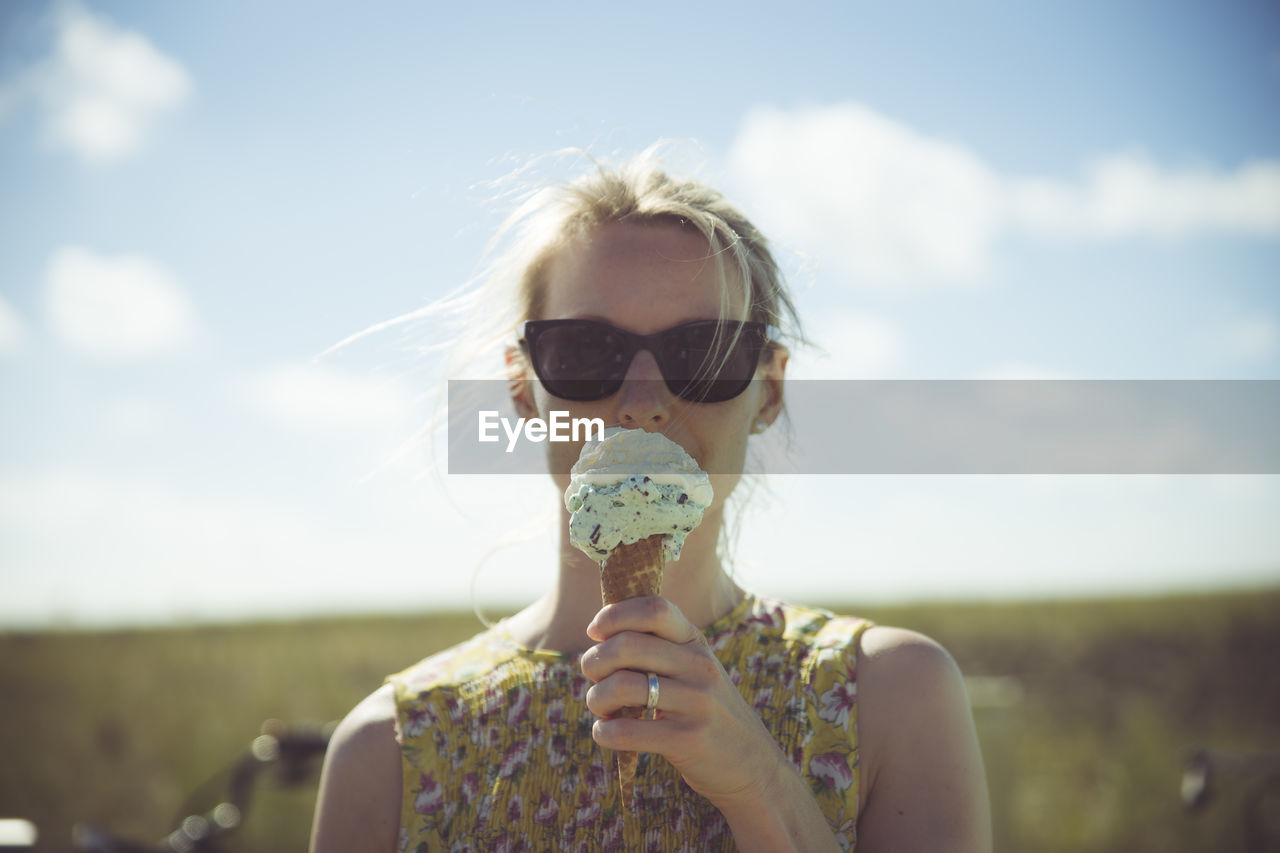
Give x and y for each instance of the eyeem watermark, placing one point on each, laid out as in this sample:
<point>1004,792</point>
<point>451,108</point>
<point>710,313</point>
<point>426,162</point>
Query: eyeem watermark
<point>559,427</point>
<point>942,427</point>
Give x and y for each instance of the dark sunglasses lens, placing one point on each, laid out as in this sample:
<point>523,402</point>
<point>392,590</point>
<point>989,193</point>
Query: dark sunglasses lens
<point>710,362</point>
<point>579,361</point>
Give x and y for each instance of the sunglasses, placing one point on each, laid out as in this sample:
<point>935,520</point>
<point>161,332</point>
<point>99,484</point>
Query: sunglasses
<point>707,361</point>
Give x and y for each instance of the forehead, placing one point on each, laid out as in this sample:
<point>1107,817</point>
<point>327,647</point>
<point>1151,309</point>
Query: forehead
<point>645,276</point>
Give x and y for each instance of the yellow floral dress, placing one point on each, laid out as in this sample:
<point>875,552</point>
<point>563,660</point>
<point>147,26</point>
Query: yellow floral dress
<point>498,754</point>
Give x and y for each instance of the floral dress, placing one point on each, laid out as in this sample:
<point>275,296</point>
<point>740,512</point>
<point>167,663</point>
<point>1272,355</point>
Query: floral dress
<point>498,754</point>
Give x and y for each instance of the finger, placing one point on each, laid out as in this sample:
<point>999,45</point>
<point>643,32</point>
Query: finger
<point>647,653</point>
<point>658,735</point>
<point>649,614</point>
<point>629,689</point>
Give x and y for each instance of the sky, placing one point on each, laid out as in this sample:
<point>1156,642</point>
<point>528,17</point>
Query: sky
<point>197,201</point>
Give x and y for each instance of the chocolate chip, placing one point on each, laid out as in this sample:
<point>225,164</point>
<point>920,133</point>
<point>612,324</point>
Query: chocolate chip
<point>595,535</point>
<point>683,497</point>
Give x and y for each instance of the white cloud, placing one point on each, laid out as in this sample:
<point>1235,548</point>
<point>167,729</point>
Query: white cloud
<point>13,332</point>
<point>135,544</point>
<point>855,346</point>
<point>115,306</point>
<point>889,201</point>
<point>314,397</point>
<point>97,548</point>
<point>101,89</point>
<point>1127,195</point>
<point>894,206</point>
<point>1003,537</point>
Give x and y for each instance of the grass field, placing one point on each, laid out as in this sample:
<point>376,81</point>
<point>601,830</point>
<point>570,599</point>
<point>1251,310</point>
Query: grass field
<point>1087,711</point>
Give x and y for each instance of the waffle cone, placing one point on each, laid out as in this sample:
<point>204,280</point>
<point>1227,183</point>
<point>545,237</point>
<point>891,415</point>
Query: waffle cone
<point>632,571</point>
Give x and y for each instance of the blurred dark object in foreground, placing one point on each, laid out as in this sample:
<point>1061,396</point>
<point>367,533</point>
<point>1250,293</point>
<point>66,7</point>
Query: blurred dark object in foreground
<point>1208,773</point>
<point>289,756</point>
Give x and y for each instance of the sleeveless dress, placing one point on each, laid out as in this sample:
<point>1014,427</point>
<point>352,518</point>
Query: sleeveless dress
<point>498,754</point>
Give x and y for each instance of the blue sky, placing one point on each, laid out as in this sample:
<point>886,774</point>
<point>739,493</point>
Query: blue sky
<point>199,199</point>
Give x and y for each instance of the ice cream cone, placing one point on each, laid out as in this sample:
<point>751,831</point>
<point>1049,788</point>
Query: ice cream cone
<point>633,496</point>
<point>632,571</point>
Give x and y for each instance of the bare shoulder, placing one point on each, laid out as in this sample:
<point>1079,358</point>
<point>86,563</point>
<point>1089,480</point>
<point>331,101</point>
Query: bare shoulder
<point>895,659</point>
<point>358,806</point>
<point>924,786</point>
<point>904,679</point>
<point>375,713</point>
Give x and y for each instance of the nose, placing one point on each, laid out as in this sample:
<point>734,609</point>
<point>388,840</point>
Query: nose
<point>643,399</point>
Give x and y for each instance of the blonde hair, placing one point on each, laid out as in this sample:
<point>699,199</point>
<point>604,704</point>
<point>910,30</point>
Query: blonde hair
<point>640,191</point>
<point>510,287</point>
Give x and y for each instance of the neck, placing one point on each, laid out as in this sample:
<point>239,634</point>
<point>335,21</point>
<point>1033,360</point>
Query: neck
<point>696,583</point>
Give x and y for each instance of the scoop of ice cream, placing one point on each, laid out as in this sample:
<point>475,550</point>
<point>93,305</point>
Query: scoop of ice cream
<point>631,485</point>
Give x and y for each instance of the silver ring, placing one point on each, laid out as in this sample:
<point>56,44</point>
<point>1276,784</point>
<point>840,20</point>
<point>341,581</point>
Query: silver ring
<point>652,702</point>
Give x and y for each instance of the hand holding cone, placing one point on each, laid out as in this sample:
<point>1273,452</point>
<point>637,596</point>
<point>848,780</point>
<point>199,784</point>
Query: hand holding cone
<point>633,497</point>
<point>632,571</point>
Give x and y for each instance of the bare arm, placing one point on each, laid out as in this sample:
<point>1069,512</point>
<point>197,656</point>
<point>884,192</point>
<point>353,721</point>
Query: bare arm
<point>926,788</point>
<point>358,807</point>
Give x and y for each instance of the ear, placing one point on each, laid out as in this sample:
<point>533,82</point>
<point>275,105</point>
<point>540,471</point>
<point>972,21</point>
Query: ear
<point>520,382</point>
<point>772,373</point>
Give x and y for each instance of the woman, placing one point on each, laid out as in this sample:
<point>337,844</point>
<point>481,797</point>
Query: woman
<point>777,727</point>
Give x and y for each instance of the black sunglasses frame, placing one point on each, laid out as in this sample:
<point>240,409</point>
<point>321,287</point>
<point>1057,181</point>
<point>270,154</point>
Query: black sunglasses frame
<point>751,334</point>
